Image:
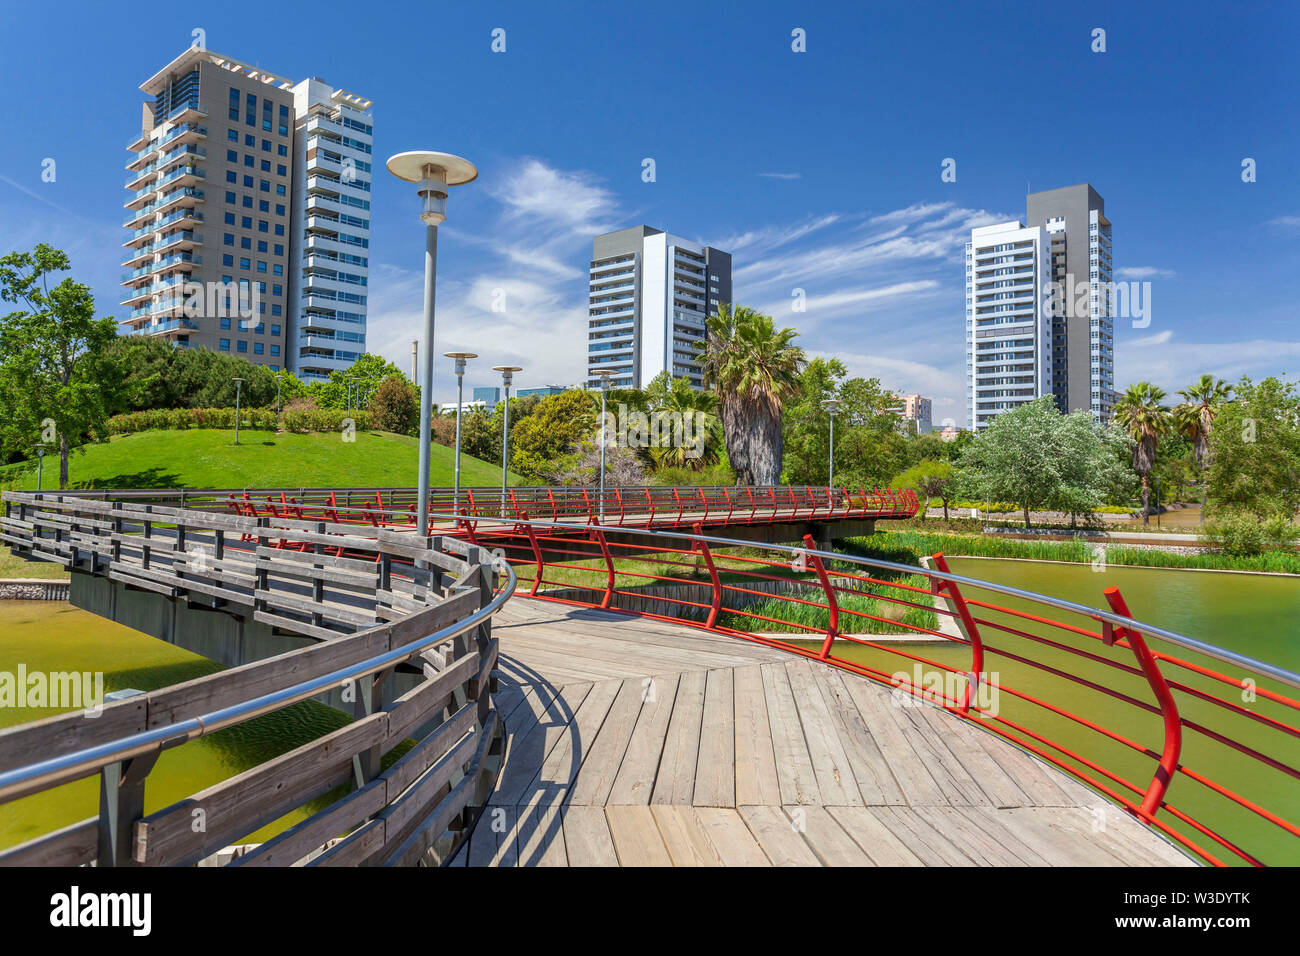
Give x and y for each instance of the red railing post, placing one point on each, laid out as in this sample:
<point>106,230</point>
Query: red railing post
<point>716,605</point>
<point>730,504</point>
<point>833,625</point>
<point>618,496</point>
<point>609,564</point>
<point>968,628</point>
<point>537,554</point>
<point>705,499</point>
<point>678,498</point>
<point>1173,746</point>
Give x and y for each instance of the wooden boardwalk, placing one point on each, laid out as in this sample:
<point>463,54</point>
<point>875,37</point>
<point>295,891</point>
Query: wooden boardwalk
<point>638,743</point>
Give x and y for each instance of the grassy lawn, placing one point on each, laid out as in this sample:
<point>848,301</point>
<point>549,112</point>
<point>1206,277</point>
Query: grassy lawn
<point>209,458</point>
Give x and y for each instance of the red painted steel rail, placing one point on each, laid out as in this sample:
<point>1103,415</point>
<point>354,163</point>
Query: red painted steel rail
<point>1200,743</point>
<point>1143,705</point>
<point>661,507</point>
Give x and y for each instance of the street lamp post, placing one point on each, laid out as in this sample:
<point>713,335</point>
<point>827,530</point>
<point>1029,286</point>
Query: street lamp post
<point>40,463</point>
<point>433,173</point>
<point>507,376</point>
<point>604,375</point>
<point>239,387</point>
<point>460,358</point>
<point>831,405</point>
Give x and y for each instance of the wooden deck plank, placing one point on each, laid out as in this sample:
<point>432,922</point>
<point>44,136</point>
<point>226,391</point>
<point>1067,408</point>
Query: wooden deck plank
<point>756,779</point>
<point>875,780</point>
<point>960,739</point>
<point>635,781</point>
<point>730,836</point>
<point>915,778</point>
<point>934,848</point>
<point>715,768</point>
<point>775,833</point>
<point>675,783</point>
<point>551,784</point>
<point>541,836</point>
<point>794,769</point>
<point>636,836</point>
<point>587,841</point>
<point>875,838</point>
<point>835,779</point>
<point>826,837</point>
<point>685,839</point>
<point>605,754</point>
<point>529,746</point>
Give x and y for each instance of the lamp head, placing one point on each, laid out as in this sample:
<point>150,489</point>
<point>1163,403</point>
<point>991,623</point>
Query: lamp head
<point>433,173</point>
<point>507,373</point>
<point>460,358</point>
<point>832,405</point>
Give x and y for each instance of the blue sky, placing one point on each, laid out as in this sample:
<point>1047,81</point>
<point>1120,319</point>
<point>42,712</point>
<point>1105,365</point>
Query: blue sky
<point>817,170</point>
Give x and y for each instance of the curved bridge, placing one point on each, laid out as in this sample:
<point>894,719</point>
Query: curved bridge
<point>675,697</point>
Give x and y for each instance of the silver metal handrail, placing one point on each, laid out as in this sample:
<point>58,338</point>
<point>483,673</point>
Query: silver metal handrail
<point>31,778</point>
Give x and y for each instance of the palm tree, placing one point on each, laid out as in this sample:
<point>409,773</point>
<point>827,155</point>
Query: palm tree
<point>1140,414</point>
<point>753,369</point>
<point>1194,419</point>
<point>685,431</point>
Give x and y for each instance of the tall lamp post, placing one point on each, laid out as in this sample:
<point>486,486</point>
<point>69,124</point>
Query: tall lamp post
<point>831,405</point>
<point>433,173</point>
<point>507,376</point>
<point>460,358</point>
<point>40,463</point>
<point>239,387</point>
<point>604,375</point>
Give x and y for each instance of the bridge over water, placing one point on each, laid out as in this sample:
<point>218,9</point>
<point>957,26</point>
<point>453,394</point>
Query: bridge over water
<point>637,691</point>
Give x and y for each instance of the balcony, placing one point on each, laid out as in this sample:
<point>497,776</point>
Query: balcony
<point>137,257</point>
<point>136,179</point>
<point>170,264</point>
<point>185,151</point>
<point>162,328</point>
<point>177,196</point>
<point>184,239</point>
<point>186,175</point>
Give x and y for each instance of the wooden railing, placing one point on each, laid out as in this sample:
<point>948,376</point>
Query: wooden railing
<point>392,602</point>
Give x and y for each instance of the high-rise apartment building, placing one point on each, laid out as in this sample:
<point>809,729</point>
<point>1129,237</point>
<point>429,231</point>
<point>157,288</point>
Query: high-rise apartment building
<point>1039,308</point>
<point>1083,355</point>
<point>222,176</point>
<point>648,297</point>
<point>330,263</point>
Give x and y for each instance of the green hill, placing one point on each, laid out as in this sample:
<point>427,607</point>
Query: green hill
<point>209,458</point>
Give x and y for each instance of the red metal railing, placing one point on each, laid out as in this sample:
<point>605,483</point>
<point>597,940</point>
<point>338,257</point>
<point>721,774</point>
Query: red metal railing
<point>665,507</point>
<point>1153,729</point>
<point>832,607</point>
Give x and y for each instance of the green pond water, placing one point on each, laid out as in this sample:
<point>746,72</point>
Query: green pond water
<point>53,636</point>
<point>1252,614</point>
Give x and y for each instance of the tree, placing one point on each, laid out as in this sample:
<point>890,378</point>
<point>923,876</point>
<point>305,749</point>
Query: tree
<point>754,370</point>
<point>684,431</point>
<point>1037,457</point>
<point>395,407</point>
<point>552,431</point>
<point>1142,417</point>
<point>869,446</point>
<point>366,374</point>
<point>929,478</point>
<point>1255,451</point>
<point>55,380</point>
<point>1194,419</point>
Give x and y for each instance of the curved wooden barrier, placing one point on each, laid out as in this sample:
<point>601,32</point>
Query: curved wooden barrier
<point>391,604</point>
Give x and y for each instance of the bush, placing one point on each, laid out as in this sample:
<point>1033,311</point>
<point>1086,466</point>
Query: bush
<point>1241,533</point>
<point>395,407</point>
<point>297,418</point>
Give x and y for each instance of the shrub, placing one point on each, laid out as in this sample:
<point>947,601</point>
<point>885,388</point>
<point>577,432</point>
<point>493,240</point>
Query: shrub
<point>1241,533</point>
<point>395,407</point>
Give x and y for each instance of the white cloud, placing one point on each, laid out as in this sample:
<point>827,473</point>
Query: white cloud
<point>1172,364</point>
<point>1145,272</point>
<point>781,175</point>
